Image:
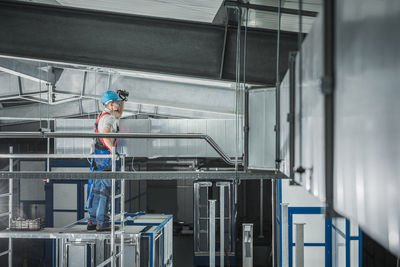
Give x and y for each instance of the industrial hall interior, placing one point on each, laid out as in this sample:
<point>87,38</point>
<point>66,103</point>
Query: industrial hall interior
<point>179,133</point>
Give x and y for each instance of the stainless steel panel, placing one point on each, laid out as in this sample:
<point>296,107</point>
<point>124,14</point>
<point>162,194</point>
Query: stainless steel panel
<point>284,125</point>
<point>61,219</point>
<point>261,129</point>
<point>77,254</point>
<point>32,189</point>
<point>309,112</point>
<point>66,196</point>
<point>222,131</point>
<point>367,128</point>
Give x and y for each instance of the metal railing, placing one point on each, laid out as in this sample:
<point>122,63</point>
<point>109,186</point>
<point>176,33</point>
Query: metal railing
<point>205,137</point>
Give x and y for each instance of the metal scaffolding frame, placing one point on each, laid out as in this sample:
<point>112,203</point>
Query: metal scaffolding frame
<point>9,213</point>
<point>113,175</point>
<point>112,259</point>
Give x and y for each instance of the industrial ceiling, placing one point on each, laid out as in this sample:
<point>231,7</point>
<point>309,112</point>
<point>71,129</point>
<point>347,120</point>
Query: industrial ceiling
<point>27,81</point>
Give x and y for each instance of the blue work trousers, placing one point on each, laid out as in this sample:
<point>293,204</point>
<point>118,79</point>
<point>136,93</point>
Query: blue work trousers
<point>100,202</point>
<point>100,193</point>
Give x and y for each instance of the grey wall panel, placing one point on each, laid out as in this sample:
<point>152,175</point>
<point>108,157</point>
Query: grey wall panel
<point>261,128</point>
<point>367,128</point>
<point>284,125</point>
<point>32,189</point>
<point>309,123</point>
<point>222,131</point>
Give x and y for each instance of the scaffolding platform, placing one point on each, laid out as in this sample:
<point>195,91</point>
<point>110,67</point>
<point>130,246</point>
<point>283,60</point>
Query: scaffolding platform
<point>147,239</point>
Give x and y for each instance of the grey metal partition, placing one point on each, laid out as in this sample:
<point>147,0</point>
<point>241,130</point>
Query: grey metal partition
<point>309,112</point>
<point>367,125</point>
<point>284,125</point>
<point>262,129</point>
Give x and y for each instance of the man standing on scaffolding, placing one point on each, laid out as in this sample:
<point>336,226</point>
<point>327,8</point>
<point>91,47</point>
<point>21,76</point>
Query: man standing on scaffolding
<point>100,190</point>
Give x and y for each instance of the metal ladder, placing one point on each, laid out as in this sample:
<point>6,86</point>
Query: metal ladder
<point>9,212</point>
<point>112,259</point>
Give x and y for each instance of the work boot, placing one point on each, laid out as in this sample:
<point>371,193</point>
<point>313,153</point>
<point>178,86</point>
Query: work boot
<point>105,227</point>
<point>91,226</point>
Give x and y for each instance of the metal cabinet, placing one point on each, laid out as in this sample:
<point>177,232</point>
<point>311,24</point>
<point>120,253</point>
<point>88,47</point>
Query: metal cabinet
<point>202,192</point>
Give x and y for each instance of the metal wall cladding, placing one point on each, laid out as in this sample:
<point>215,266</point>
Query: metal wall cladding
<point>367,128</point>
<point>262,129</point>
<point>284,125</point>
<point>222,131</point>
<point>309,112</point>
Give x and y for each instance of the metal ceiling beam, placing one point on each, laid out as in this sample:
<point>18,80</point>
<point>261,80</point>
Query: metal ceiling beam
<point>134,42</point>
<point>28,69</point>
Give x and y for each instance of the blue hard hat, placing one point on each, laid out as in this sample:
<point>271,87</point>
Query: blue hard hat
<point>109,96</point>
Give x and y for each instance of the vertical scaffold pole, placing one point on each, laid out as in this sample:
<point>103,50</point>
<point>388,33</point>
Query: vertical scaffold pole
<point>212,232</point>
<point>222,224</point>
<point>122,199</point>
<point>10,206</point>
<point>113,168</point>
<point>285,235</point>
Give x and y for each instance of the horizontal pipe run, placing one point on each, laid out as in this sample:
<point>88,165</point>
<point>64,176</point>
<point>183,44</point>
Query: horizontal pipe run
<point>117,196</point>
<point>5,214</point>
<point>4,253</point>
<point>205,137</point>
<point>5,195</point>
<point>54,156</point>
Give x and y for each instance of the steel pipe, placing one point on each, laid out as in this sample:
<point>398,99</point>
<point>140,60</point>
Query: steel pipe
<point>205,137</point>
<point>212,233</point>
<point>104,263</point>
<point>299,245</point>
<point>222,225</point>
<point>122,208</point>
<point>54,156</point>
<point>10,206</point>
<point>4,253</point>
<point>113,169</point>
<point>285,235</point>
